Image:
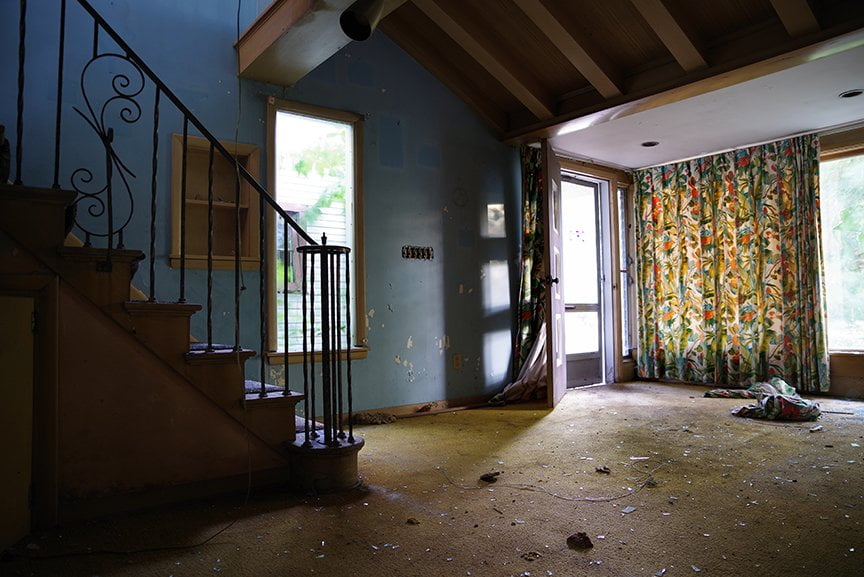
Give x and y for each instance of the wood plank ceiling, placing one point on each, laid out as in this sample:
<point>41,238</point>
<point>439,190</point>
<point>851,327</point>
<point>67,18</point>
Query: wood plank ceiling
<point>530,66</point>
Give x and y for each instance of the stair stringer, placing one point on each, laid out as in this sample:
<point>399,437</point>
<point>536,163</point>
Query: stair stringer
<point>128,423</point>
<point>21,208</point>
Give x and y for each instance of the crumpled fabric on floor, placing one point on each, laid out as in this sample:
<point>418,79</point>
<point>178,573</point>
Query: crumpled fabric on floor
<point>781,408</point>
<point>776,386</point>
<point>777,400</point>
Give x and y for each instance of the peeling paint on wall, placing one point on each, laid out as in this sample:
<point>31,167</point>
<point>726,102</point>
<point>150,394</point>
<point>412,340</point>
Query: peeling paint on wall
<point>398,360</point>
<point>410,343</point>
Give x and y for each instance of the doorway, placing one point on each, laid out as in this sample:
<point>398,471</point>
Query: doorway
<point>583,263</point>
<point>16,416</point>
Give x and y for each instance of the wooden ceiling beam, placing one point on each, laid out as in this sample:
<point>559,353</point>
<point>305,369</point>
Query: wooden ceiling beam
<point>797,17</point>
<point>570,48</point>
<point>687,87</point>
<point>529,97</point>
<point>671,34</point>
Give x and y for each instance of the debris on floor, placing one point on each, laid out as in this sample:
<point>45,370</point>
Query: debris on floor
<point>374,418</point>
<point>412,521</point>
<point>628,509</point>
<point>604,469</point>
<point>579,540</point>
<point>781,408</point>
<point>816,429</point>
<point>490,477</point>
<point>531,555</point>
<point>776,400</point>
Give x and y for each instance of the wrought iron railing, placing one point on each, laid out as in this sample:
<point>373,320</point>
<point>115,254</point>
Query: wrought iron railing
<point>105,225</point>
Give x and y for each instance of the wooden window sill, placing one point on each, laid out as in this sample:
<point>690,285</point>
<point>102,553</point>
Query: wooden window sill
<point>297,357</point>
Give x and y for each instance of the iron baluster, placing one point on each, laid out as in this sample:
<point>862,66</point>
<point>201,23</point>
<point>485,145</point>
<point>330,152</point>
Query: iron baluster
<point>326,376</point>
<point>95,38</point>
<point>60,58</point>
<point>348,347</point>
<point>285,300</point>
<point>237,346</point>
<point>183,164</point>
<point>210,250</point>
<point>262,296</point>
<point>312,337</point>
<point>19,148</point>
<point>306,413</point>
<point>109,176</point>
<point>338,340</point>
<point>153,197</point>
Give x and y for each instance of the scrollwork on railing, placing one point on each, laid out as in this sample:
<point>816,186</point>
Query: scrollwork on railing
<point>118,101</point>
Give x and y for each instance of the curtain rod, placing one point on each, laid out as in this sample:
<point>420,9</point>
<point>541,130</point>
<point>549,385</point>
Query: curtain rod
<point>829,130</point>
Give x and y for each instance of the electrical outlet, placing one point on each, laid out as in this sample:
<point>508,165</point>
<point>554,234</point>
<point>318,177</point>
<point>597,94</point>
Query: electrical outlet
<point>457,361</point>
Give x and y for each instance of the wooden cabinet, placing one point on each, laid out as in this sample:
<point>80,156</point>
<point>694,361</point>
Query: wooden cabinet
<point>225,215</point>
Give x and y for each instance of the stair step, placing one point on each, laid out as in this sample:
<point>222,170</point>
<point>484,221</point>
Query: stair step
<point>162,326</point>
<point>35,217</point>
<point>201,353</point>
<point>107,286</point>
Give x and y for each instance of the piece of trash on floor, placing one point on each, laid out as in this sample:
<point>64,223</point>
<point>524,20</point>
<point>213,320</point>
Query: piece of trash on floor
<point>660,573</point>
<point>604,469</point>
<point>374,418</point>
<point>412,521</point>
<point>531,555</point>
<point>628,509</point>
<point>696,568</point>
<point>816,429</point>
<point>490,477</point>
<point>639,458</point>
<point>579,540</point>
<point>650,483</point>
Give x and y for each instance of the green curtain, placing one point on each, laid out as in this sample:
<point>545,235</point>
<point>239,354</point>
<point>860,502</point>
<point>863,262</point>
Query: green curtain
<point>730,268</point>
<point>530,311</point>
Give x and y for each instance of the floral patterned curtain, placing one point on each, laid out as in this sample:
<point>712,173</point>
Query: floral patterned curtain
<point>730,268</point>
<point>531,311</point>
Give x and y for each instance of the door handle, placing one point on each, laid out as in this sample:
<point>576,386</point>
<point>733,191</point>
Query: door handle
<point>549,280</point>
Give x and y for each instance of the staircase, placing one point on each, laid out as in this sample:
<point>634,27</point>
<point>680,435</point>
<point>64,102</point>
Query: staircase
<point>130,410</point>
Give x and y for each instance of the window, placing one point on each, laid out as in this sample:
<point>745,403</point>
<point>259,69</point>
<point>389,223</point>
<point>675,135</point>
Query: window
<point>625,239</point>
<point>314,175</point>
<point>842,203</point>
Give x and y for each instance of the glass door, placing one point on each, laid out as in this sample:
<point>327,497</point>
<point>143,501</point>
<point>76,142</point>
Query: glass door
<point>581,282</point>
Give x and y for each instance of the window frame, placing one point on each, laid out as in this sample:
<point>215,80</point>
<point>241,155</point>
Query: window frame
<point>836,146</point>
<point>359,349</point>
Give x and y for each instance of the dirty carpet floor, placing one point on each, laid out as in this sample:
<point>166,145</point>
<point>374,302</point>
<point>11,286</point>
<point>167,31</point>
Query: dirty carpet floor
<point>690,490</point>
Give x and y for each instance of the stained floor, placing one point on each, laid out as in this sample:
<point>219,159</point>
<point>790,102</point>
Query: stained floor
<point>690,489</point>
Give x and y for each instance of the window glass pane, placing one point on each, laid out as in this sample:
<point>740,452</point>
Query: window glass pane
<point>580,243</point>
<point>582,332</point>
<point>842,207</point>
<point>624,281</point>
<point>315,185</point>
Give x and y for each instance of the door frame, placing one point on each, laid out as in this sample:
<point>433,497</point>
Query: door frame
<point>595,358</point>
<point>44,289</point>
<point>616,368</point>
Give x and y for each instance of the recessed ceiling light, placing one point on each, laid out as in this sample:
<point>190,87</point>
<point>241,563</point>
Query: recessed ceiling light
<point>650,143</point>
<point>851,93</point>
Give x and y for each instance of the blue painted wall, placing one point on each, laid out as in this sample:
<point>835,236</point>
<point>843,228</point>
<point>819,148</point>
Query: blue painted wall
<point>431,168</point>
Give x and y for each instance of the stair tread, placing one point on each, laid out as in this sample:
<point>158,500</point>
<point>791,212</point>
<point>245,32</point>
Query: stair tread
<point>199,354</point>
<point>37,194</point>
<point>90,253</point>
<point>161,308</point>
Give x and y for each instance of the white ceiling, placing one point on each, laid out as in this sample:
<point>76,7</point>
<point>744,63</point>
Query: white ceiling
<point>794,101</point>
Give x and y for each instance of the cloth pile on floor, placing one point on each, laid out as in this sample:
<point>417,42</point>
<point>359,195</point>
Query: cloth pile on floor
<point>777,400</point>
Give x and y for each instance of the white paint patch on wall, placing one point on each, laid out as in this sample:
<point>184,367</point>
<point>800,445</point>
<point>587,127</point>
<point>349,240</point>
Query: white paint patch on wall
<point>496,286</point>
<point>410,343</point>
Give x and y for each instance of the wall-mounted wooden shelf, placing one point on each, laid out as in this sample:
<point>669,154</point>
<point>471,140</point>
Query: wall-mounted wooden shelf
<point>225,208</point>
